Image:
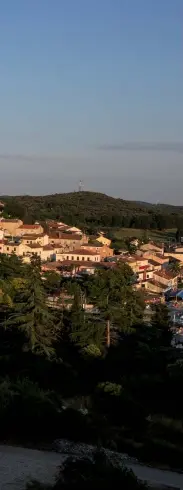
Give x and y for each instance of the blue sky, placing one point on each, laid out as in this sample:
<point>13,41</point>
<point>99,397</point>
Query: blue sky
<point>92,89</point>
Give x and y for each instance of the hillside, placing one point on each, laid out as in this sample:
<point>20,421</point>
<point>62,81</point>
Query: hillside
<point>92,210</point>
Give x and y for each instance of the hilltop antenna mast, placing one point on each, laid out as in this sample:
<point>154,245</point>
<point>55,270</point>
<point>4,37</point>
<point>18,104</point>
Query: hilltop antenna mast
<point>81,186</point>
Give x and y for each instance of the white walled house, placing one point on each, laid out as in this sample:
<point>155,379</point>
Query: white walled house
<point>79,255</point>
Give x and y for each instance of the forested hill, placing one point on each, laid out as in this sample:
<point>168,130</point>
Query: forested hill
<point>92,210</point>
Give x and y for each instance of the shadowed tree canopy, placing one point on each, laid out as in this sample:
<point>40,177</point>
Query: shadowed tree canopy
<point>93,210</point>
<point>30,314</point>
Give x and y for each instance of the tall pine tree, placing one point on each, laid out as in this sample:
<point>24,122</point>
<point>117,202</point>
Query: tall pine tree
<point>31,315</point>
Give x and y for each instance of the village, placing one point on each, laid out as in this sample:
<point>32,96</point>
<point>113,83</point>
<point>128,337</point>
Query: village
<point>71,252</point>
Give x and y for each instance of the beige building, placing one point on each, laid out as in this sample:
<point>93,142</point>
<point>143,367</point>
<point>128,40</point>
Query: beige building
<point>175,255</point>
<point>29,239</point>
<point>154,264</point>
<point>146,247</point>
<point>103,250</point>
<point>166,278</point>
<point>29,230</point>
<point>14,248</point>
<point>67,241</point>
<point>161,259</point>
<point>137,264</point>
<point>153,286</point>
<point>45,252</point>
<point>10,226</point>
<point>104,240</point>
<point>79,255</point>
<point>1,234</point>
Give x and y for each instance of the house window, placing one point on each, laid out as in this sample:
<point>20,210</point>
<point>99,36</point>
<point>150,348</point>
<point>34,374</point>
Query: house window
<point>77,258</point>
<point>67,257</point>
<point>14,249</point>
<point>27,241</point>
<point>83,258</point>
<point>88,258</point>
<point>72,258</point>
<point>147,276</point>
<point>8,248</point>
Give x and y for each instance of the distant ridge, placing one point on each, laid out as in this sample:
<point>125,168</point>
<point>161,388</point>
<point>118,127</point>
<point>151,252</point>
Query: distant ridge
<point>92,209</point>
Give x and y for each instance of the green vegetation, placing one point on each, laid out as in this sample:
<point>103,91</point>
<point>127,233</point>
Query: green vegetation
<point>93,210</point>
<point>55,361</point>
<point>155,235</point>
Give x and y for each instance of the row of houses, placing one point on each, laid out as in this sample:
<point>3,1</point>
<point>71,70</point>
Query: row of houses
<point>59,244</point>
<point>152,269</point>
<point>65,246</point>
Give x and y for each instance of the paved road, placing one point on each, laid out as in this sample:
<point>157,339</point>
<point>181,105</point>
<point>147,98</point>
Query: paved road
<point>18,465</point>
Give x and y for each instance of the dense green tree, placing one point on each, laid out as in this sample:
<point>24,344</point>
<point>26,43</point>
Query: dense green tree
<point>119,306</point>
<point>51,282</point>
<point>86,330</point>
<point>10,266</point>
<point>93,211</point>
<point>160,322</point>
<point>179,234</point>
<point>31,315</point>
<point>175,266</point>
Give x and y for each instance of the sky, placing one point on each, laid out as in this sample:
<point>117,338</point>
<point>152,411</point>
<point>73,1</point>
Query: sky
<point>92,90</point>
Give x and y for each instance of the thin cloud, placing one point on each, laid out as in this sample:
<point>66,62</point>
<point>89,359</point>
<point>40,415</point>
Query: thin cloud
<point>176,147</point>
<point>29,158</point>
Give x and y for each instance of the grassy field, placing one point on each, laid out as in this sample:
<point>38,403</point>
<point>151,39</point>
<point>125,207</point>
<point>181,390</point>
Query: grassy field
<point>156,235</point>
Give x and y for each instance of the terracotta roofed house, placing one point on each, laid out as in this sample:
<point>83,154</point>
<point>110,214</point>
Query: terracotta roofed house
<point>29,230</point>
<point>79,255</point>
<point>151,246</point>
<point>41,238</point>
<point>98,247</point>
<point>67,241</point>
<point>166,278</point>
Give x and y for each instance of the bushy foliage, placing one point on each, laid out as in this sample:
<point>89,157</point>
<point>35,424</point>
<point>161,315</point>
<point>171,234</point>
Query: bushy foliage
<point>91,473</point>
<point>93,210</point>
<point>121,371</point>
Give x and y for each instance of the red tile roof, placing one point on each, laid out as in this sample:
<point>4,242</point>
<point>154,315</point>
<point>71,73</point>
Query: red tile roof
<point>32,237</point>
<point>48,247</point>
<point>29,227</point>
<point>166,274</point>
<point>69,236</point>
<point>86,264</point>
<point>153,262</point>
<point>51,265</point>
<point>34,245</point>
<point>9,220</point>
<point>53,235</point>
<point>137,258</point>
<point>83,252</point>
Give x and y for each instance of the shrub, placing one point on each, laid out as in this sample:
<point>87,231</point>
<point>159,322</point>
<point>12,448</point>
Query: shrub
<point>92,473</point>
